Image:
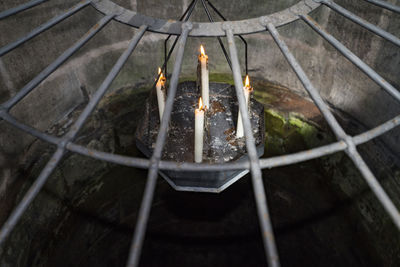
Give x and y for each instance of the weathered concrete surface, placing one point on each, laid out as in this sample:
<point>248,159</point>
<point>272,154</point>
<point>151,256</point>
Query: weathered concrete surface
<point>340,83</point>
<point>86,213</point>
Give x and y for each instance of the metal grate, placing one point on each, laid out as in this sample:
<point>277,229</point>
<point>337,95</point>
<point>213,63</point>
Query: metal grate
<point>184,30</point>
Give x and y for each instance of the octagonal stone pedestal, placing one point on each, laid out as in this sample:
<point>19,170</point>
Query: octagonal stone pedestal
<point>220,142</point>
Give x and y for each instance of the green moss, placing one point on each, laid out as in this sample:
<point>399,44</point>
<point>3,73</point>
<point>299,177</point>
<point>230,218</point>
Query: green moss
<point>307,131</point>
<point>275,123</point>
<point>222,78</point>
<point>290,134</point>
<point>263,96</point>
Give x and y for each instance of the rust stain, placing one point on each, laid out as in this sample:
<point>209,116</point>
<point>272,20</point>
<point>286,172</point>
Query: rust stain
<point>230,131</point>
<point>217,107</point>
<point>230,136</point>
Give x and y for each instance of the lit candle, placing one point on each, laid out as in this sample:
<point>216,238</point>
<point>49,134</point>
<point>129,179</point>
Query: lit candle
<point>247,89</point>
<point>198,132</point>
<point>203,62</point>
<point>161,96</point>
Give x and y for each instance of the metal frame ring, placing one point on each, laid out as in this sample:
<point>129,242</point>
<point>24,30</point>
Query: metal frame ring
<point>205,29</point>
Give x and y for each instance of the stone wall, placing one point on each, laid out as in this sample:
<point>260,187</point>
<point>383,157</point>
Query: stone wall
<point>346,88</point>
<point>341,84</point>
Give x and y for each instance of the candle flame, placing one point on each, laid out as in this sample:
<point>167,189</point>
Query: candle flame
<point>247,82</point>
<point>200,103</point>
<point>203,53</point>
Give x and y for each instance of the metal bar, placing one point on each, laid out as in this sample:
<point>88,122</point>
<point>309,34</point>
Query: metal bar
<point>338,130</point>
<point>25,128</point>
<point>166,59</point>
<point>373,183</point>
<point>206,29</point>
<point>39,183</point>
<point>258,186</point>
<point>216,11</point>
<point>16,214</point>
<point>315,96</point>
<point>171,165</point>
<point>264,163</point>
<point>219,38</point>
<point>385,5</point>
<point>165,56</point>
<point>369,26</point>
<point>245,54</point>
<point>5,49</point>
<point>377,131</point>
<point>352,57</point>
<point>105,85</point>
<point>190,8</point>
<point>15,10</point>
<point>144,212</point>
<point>189,11</point>
<point>187,166</point>
<point>240,36</point>
<point>58,62</point>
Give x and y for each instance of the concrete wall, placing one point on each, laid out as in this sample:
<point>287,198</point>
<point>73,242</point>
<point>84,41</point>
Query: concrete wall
<point>340,83</point>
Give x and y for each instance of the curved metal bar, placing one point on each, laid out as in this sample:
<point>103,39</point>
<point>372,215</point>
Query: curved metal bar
<point>312,91</point>
<point>271,162</point>
<point>187,166</point>
<point>27,129</point>
<point>35,188</point>
<point>346,143</point>
<point>369,26</point>
<point>377,131</point>
<point>12,11</point>
<point>57,156</point>
<point>58,62</point>
<point>351,150</point>
<point>352,57</point>
<point>5,49</point>
<point>264,162</point>
<point>386,5</point>
<point>247,26</point>
<point>144,212</point>
<point>256,175</point>
<point>105,85</point>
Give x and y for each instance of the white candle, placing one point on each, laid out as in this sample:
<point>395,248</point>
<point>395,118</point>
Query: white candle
<point>247,89</point>
<point>161,96</point>
<point>203,59</point>
<point>198,132</point>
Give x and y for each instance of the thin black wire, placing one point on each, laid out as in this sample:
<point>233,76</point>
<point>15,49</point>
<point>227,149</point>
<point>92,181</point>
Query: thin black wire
<point>219,38</point>
<point>189,12</point>
<point>241,37</point>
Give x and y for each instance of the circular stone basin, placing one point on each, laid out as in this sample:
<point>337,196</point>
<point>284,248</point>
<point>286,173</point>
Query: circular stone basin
<point>322,212</point>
